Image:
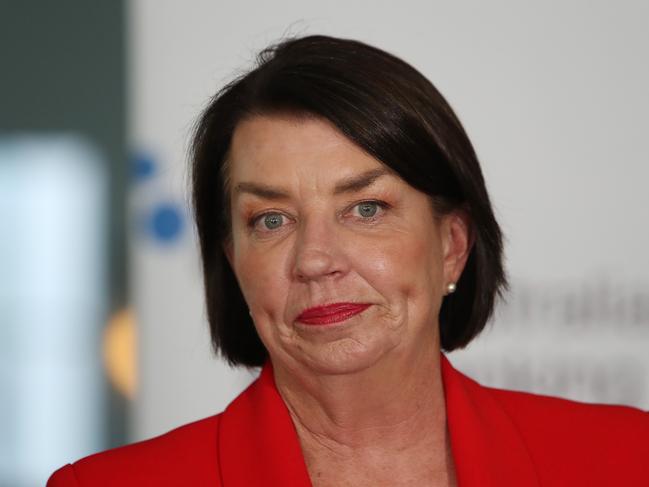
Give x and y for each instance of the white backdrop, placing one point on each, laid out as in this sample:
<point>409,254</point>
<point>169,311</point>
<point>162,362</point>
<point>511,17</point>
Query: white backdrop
<point>553,95</point>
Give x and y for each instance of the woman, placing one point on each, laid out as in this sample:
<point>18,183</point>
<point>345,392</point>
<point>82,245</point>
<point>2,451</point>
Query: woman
<point>347,237</point>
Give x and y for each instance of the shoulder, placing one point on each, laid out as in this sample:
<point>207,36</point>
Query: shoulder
<point>543,414</point>
<point>567,435</point>
<point>184,456</point>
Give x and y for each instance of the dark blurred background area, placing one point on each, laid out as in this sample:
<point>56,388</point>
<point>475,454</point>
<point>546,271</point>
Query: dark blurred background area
<point>63,178</point>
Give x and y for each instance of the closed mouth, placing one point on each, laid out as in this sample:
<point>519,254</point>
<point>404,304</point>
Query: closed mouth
<point>331,313</point>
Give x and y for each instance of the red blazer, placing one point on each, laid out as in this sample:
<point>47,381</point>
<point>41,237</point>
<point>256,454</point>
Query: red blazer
<point>498,438</point>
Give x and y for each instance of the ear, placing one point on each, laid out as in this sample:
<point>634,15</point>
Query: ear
<point>457,242</point>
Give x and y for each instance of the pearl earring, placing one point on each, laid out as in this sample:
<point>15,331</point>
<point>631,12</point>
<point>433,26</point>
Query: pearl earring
<point>450,288</point>
<point>249,312</point>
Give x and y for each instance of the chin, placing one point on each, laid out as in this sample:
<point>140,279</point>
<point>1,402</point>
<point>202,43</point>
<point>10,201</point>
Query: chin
<point>343,357</point>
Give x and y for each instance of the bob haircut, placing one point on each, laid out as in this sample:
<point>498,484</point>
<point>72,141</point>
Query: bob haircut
<point>387,108</point>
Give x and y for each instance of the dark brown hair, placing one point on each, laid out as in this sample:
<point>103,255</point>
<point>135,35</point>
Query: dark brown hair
<point>387,108</point>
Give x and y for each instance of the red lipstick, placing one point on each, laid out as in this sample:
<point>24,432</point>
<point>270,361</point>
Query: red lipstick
<point>332,313</point>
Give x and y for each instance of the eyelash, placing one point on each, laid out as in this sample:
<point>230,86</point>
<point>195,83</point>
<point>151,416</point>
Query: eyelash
<point>253,221</point>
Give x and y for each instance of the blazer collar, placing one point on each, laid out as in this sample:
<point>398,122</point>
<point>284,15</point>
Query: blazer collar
<point>487,447</point>
<point>258,444</point>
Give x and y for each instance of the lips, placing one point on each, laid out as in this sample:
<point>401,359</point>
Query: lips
<point>331,313</point>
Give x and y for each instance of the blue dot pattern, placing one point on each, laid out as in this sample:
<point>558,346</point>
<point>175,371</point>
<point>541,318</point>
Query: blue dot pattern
<point>143,167</point>
<point>166,223</point>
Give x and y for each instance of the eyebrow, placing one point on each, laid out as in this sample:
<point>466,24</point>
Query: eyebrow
<point>351,184</point>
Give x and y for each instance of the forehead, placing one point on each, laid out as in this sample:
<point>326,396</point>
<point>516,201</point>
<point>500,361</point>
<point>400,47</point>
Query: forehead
<point>277,146</point>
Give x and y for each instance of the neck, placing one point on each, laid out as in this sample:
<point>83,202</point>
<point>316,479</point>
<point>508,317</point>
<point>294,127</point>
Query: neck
<point>395,409</point>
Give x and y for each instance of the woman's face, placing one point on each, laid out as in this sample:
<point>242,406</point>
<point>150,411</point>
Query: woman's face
<point>316,221</point>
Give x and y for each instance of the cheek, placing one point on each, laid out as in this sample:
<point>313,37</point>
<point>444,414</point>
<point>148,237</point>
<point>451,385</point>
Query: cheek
<point>262,280</point>
<point>401,267</point>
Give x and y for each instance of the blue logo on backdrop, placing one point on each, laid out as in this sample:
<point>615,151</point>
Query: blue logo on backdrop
<point>166,222</point>
<point>142,167</point>
<point>161,219</point>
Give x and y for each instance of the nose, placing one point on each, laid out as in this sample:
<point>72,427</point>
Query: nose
<point>318,251</point>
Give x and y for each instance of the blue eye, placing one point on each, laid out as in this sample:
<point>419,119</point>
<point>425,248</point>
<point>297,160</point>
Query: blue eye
<point>367,209</point>
<point>371,210</point>
<point>272,221</point>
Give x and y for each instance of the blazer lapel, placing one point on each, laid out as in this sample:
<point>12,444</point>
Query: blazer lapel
<point>487,448</point>
<point>258,444</point>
